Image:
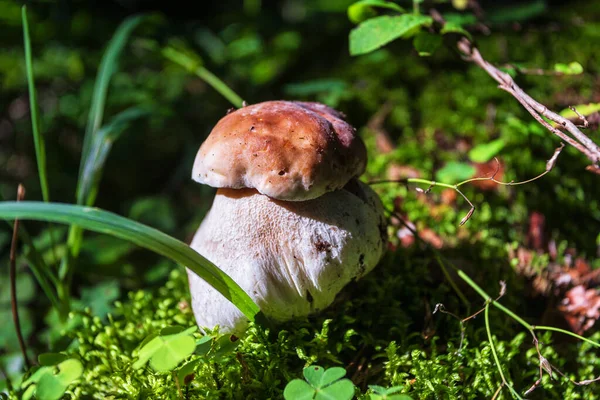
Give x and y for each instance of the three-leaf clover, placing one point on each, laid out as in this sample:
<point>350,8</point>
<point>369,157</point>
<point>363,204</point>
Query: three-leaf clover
<point>51,380</point>
<point>320,384</point>
<point>167,349</point>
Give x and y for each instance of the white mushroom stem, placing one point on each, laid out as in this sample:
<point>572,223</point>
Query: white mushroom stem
<point>292,258</point>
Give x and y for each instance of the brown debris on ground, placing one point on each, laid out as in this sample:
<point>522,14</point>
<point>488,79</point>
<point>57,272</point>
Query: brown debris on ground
<point>570,280</point>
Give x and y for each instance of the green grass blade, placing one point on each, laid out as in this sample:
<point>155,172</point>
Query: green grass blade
<point>97,220</point>
<point>38,138</point>
<point>40,270</point>
<point>85,186</point>
<point>108,66</point>
<point>102,143</point>
<point>193,65</point>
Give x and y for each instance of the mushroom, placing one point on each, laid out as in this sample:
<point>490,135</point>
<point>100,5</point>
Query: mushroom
<point>290,223</point>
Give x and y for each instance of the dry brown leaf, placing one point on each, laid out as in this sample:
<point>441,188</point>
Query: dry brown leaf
<point>581,308</point>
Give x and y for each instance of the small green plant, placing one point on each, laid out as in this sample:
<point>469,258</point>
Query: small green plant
<point>51,379</point>
<point>166,349</point>
<point>320,384</point>
<point>393,393</point>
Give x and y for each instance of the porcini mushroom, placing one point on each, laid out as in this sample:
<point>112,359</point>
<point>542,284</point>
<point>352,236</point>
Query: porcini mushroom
<point>290,222</point>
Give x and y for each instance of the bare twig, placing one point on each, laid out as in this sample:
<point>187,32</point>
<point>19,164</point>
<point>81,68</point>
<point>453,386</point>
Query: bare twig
<point>549,166</point>
<point>539,111</point>
<point>13,280</point>
<point>546,366</point>
<point>586,124</point>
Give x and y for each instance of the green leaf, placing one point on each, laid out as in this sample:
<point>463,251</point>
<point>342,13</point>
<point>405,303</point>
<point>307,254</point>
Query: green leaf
<point>106,222</point>
<point>29,393</point>
<point>363,9</point>
<point>51,359</point>
<point>377,32</point>
<point>38,137</point>
<point>186,370</point>
<point>426,43</point>
<point>108,66</point>
<point>173,330</point>
<point>486,151</point>
<point>101,144</point>
<point>147,351</point>
<point>192,63</point>
<point>454,172</point>
<point>36,375</point>
<point>313,374</point>
<point>70,370</point>
<point>298,390</point>
<point>52,386</point>
<point>96,142</point>
<point>573,68</point>
<point>49,388</point>
<point>179,53</point>
<point>583,109</point>
<point>340,390</point>
<point>453,27</point>
<point>381,393</point>
<point>224,346</point>
<point>203,345</point>
<point>331,375</point>
<point>50,383</point>
<point>322,384</point>
<point>174,349</point>
<point>165,351</point>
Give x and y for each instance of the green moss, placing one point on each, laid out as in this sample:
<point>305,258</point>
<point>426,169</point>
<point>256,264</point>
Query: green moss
<point>379,329</point>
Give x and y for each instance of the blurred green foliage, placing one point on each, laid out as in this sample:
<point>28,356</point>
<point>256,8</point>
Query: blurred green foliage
<point>442,115</point>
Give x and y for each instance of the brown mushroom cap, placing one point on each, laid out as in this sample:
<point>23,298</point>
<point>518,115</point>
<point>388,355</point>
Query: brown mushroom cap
<point>286,150</point>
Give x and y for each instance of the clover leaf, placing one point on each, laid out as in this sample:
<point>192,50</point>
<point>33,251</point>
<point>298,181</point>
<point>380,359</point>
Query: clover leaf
<point>51,380</point>
<point>320,384</point>
<point>166,350</point>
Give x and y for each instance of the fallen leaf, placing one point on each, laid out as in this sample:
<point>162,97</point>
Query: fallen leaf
<point>581,308</point>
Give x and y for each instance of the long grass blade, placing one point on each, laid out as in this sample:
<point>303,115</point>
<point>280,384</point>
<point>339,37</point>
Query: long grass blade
<point>106,222</point>
<point>40,270</point>
<point>38,138</point>
<point>193,64</point>
<point>90,180</point>
<point>101,145</point>
<point>108,66</point>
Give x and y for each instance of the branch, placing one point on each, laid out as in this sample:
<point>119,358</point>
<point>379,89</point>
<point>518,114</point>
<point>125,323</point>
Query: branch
<point>539,111</point>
